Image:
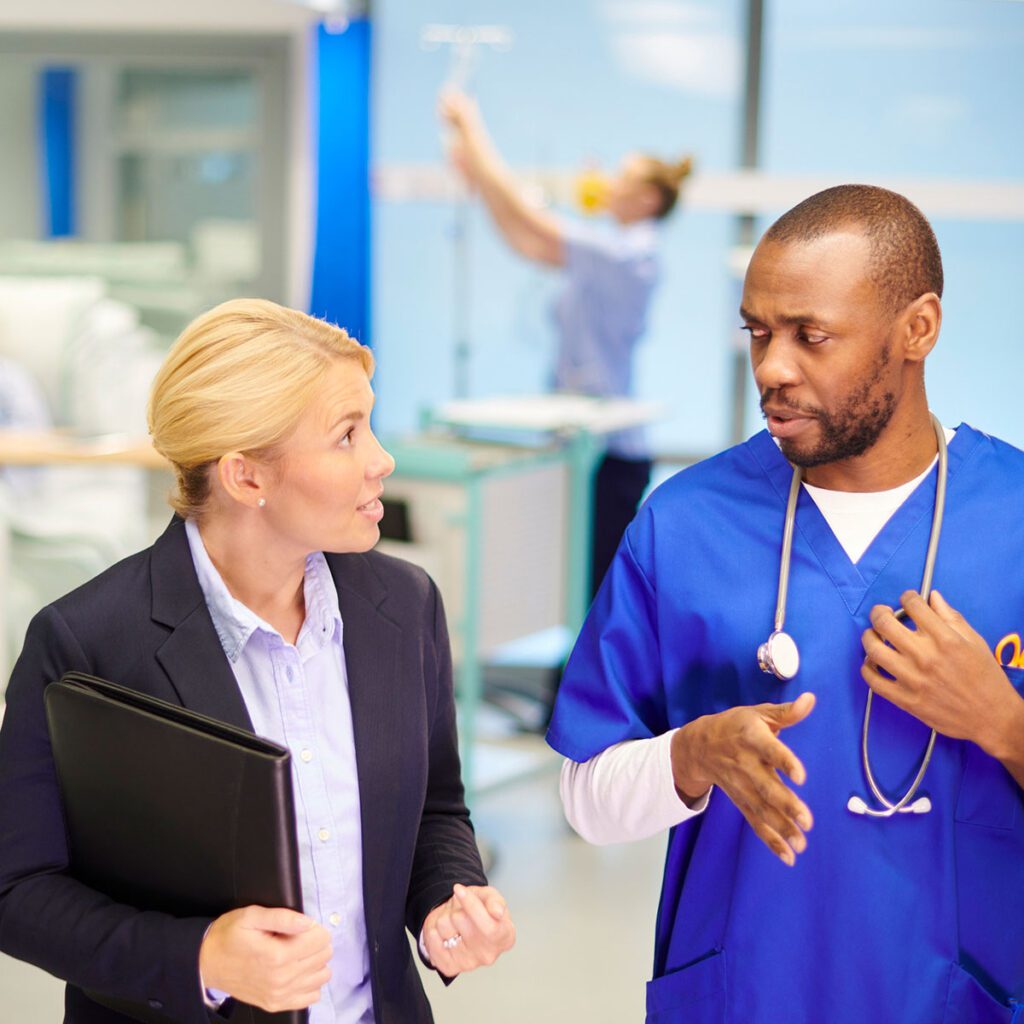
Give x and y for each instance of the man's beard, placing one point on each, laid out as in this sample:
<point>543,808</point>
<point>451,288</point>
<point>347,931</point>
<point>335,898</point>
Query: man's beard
<point>847,432</point>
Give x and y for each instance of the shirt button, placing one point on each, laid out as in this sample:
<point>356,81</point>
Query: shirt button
<point>306,755</point>
<point>335,920</point>
<point>290,673</point>
<point>323,835</point>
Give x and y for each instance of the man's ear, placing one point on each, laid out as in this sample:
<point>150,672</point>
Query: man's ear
<point>922,321</point>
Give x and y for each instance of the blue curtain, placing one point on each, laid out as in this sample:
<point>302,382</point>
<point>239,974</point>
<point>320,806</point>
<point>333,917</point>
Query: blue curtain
<point>341,262</point>
<point>57,98</point>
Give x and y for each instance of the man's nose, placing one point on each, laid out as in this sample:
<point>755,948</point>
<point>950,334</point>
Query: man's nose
<point>775,366</point>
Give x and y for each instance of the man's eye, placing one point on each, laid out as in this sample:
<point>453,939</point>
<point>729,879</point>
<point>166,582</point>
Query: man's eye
<point>812,339</point>
<point>755,332</point>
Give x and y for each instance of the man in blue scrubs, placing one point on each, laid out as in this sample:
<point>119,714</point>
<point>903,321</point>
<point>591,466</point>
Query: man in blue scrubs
<point>668,721</point>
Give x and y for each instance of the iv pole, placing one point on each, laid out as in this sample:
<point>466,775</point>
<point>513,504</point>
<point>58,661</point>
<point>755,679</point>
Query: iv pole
<point>464,42</point>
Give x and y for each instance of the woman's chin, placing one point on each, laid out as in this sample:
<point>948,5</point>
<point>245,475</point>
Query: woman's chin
<point>356,545</point>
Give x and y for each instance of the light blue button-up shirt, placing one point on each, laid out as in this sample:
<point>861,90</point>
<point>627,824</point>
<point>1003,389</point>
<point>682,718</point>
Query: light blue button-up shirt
<point>297,695</point>
<point>610,274</point>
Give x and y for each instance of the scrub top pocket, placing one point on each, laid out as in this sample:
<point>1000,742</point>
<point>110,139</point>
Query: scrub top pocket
<point>970,1003</point>
<point>989,796</point>
<point>694,994</point>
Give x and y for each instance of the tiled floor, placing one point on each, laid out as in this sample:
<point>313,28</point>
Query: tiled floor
<point>585,920</point>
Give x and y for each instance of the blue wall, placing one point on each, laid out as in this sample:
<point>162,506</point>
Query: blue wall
<point>57,107</point>
<point>341,288</point>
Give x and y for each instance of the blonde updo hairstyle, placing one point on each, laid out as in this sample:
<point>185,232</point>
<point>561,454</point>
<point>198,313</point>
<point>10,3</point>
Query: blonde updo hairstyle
<point>239,378</point>
<point>667,178</point>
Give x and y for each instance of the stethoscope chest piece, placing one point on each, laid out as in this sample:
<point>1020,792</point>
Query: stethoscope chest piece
<point>779,655</point>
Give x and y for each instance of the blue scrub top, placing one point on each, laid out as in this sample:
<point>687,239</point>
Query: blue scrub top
<point>601,313</point>
<point>917,919</point>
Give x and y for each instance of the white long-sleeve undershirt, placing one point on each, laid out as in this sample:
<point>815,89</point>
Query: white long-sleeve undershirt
<point>624,793</point>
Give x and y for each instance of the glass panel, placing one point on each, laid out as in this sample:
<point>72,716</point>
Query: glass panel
<point>165,196</point>
<point>188,150</point>
<point>185,101</point>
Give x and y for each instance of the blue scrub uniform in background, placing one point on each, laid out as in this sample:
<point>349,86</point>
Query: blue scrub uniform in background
<point>915,919</point>
<point>601,314</point>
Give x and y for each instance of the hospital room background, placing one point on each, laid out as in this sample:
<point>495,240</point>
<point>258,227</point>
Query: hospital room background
<point>158,158</point>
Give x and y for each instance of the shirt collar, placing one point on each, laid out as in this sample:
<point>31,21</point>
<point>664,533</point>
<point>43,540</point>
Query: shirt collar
<point>235,623</point>
<point>323,616</point>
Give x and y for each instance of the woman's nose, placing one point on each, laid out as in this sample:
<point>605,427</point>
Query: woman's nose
<point>382,464</point>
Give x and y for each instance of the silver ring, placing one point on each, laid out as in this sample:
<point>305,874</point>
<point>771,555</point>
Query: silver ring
<point>452,942</point>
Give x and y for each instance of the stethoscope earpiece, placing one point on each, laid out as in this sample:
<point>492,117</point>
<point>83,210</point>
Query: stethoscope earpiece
<point>856,805</point>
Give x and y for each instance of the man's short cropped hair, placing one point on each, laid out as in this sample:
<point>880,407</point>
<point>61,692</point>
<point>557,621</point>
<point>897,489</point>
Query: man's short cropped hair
<point>905,258</point>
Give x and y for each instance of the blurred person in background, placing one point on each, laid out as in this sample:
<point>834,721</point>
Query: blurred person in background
<point>610,271</point>
<point>263,605</point>
<point>22,410</point>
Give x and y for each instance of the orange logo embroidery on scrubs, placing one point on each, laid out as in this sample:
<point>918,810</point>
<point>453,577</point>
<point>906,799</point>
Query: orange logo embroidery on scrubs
<point>1010,647</point>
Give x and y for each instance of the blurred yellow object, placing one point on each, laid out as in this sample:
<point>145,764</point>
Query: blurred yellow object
<point>592,189</point>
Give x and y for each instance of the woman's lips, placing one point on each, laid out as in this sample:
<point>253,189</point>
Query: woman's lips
<point>372,509</point>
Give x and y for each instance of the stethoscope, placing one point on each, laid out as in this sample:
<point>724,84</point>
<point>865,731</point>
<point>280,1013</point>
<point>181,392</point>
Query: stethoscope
<point>780,655</point>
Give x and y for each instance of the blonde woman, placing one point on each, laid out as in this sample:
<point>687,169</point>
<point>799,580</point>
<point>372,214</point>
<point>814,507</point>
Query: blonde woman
<point>263,605</point>
<point>601,312</point>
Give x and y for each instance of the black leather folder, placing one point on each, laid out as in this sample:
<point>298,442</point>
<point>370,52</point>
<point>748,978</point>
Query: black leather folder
<point>170,810</point>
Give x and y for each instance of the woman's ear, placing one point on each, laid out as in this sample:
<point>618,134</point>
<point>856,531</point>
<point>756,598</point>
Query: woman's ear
<point>241,478</point>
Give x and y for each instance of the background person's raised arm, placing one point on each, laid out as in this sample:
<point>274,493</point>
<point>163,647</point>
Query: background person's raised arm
<point>533,233</point>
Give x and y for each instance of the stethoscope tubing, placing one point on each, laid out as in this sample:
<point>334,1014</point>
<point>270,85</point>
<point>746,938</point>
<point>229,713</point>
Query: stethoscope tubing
<point>926,587</point>
<point>787,549</point>
<point>889,808</point>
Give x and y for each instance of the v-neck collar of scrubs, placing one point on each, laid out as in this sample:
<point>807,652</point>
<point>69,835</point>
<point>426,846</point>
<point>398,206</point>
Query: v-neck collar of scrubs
<point>854,580</point>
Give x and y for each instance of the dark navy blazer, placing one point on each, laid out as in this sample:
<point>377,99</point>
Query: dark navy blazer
<point>144,623</point>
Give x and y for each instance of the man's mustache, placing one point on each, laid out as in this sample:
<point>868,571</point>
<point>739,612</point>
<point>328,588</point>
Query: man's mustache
<point>776,398</point>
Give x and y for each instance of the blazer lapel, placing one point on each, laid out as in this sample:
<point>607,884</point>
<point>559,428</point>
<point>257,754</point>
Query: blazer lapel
<point>192,655</point>
<point>371,643</point>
